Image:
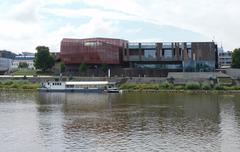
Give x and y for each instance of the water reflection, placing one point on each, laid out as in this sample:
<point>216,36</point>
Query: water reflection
<point>97,116</point>
<point>122,122</point>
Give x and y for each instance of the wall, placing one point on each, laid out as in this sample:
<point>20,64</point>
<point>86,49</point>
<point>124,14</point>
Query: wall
<point>234,73</point>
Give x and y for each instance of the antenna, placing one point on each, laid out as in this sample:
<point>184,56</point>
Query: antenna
<point>213,38</point>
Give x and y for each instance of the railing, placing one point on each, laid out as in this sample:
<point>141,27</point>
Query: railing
<point>142,58</point>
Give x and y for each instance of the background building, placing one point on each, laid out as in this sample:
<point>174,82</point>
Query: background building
<point>161,58</point>
<point>93,52</point>
<point>24,57</point>
<point>6,58</point>
<point>225,59</point>
<point>139,59</point>
<point>7,54</point>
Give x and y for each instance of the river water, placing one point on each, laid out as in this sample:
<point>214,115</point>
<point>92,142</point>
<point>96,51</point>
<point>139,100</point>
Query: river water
<point>40,122</point>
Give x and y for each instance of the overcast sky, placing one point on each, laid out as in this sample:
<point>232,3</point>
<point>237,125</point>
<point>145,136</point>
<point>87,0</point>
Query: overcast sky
<point>25,24</point>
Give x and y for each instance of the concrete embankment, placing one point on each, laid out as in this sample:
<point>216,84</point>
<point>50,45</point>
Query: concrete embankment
<point>185,91</point>
<point>64,78</point>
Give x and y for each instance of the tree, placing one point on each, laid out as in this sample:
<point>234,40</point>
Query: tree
<point>23,65</point>
<point>62,67</point>
<point>236,58</point>
<point>104,67</point>
<point>83,67</point>
<point>43,59</point>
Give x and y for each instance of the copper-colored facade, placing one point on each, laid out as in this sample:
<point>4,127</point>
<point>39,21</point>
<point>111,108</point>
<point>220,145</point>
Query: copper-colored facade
<point>138,59</point>
<point>92,51</point>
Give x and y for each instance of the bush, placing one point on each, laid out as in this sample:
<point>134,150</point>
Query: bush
<point>128,86</point>
<point>8,83</point>
<point>19,84</point>
<point>56,79</point>
<point>229,88</point>
<point>147,86</point>
<point>132,86</point>
<point>193,86</point>
<point>237,88</point>
<point>219,87</point>
<point>166,85</point>
<point>179,87</point>
<point>206,86</point>
<point>15,85</point>
<point>225,81</point>
<point>30,86</point>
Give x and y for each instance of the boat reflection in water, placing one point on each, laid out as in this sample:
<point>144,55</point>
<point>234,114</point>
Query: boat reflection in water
<point>85,112</point>
<point>77,101</point>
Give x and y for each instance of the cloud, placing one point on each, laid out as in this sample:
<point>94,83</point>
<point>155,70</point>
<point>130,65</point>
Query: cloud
<point>33,22</point>
<point>215,18</point>
<point>127,6</point>
<point>26,11</point>
<point>90,12</point>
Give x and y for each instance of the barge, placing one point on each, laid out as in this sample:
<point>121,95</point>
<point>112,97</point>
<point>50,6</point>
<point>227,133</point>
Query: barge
<point>79,86</point>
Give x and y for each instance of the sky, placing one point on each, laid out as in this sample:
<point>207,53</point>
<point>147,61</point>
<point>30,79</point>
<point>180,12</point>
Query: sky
<point>26,24</point>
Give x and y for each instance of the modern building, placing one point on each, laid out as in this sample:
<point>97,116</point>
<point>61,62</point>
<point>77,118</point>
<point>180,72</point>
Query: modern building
<point>225,59</point>
<point>5,65</point>
<point>6,58</point>
<point>189,57</point>
<point>25,57</point>
<point>93,51</point>
<point>7,54</point>
<point>139,59</point>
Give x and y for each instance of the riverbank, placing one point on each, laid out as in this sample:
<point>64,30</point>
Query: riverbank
<point>18,85</point>
<point>193,87</point>
<point>184,91</point>
<point>166,86</point>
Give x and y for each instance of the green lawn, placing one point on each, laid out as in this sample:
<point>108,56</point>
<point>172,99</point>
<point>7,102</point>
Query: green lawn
<point>18,84</point>
<point>30,72</point>
<point>25,72</point>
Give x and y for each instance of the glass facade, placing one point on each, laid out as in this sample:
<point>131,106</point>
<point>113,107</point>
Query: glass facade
<point>150,54</point>
<point>158,66</point>
<point>168,53</point>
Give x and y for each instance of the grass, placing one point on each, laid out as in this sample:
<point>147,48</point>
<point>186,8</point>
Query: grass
<point>25,72</point>
<point>18,84</point>
<point>225,81</point>
<point>30,72</point>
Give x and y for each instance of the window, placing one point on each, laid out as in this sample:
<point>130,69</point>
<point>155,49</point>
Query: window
<point>92,44</point>
<point>125,52</point>
<point>150,54</point>
<point>180,52</point>
<point>189,52</point>
<point>168,53</point>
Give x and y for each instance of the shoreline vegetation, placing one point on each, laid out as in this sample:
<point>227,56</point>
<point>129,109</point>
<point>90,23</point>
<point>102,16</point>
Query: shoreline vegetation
<point>18,85</point>
<point>166,86</point>
<point>135,87</point>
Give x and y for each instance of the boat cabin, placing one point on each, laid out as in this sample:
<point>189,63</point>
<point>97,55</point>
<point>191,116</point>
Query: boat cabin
<point>78,86</point>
